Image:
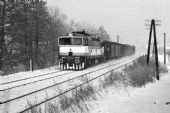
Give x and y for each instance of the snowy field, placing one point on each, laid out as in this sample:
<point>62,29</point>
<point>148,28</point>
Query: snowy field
<point>153,98</point>
<point>19,104</point>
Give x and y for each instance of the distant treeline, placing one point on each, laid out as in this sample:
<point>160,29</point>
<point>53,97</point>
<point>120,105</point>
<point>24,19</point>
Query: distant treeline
<point>22,0</point>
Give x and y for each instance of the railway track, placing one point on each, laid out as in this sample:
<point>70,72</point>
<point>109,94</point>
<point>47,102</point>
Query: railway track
<point>62,82</point>
<point>28,78</point>
<point>53,84</point>
<point>34,81</point>
<point>12,81</point>
<point>68,90</point>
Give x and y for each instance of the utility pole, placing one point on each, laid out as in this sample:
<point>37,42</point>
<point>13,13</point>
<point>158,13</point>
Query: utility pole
<point>156,50</point>
<point>164,48</point>
<point>153,28</point>
<point>117,38</point>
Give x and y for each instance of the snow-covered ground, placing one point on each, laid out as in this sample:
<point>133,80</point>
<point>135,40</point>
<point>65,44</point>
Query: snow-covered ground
<point>153,98</point>
<point>23,75</point>
<point>15,106</point>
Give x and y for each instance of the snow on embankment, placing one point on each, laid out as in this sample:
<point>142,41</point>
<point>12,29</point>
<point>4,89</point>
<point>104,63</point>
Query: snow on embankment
<point>22,75</point>
<point>153,98</point>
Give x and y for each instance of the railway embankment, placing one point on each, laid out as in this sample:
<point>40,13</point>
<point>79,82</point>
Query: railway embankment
<point>150,97</point>
<point>83,98</point>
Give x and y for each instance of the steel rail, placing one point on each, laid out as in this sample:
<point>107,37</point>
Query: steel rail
<point>34,81</point>
<point>29,78</point>
<point>54,85</point>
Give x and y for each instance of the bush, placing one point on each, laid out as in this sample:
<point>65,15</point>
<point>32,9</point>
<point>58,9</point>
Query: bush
<point>75,101</point>
<point>140,72</point>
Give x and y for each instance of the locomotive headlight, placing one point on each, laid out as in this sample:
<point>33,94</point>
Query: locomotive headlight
<point>77,61</point>
<point>61,60</point>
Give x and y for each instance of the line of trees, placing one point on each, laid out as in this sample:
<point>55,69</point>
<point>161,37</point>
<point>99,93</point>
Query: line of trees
<point>29,30</point>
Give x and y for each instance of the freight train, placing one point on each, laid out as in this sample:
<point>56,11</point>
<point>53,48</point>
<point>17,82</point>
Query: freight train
<point>79,50</point>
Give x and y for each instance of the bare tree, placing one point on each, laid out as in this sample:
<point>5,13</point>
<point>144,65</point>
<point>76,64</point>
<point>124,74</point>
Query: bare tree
<point>37,32</point>
<point>2,32</point>
<point>103,33</point>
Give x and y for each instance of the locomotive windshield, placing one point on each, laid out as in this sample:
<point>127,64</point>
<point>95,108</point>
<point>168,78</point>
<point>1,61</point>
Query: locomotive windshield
<point>70,41</point>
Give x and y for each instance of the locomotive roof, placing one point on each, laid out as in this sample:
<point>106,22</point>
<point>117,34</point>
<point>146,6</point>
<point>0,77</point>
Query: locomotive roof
<point>84,34</point>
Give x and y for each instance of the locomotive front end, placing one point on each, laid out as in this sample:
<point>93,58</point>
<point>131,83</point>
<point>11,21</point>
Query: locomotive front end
<point>72,52</point>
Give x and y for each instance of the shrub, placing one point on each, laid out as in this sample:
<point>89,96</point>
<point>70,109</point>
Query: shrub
<point>140,72</point>
<point>75,101</point>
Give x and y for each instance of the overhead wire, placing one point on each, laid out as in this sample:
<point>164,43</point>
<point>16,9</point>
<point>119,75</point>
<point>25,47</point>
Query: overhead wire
<point>154,9</point>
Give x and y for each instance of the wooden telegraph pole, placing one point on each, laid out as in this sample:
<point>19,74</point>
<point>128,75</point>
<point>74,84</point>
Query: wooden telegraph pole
<point>164,48</point>
<point>153,28</point>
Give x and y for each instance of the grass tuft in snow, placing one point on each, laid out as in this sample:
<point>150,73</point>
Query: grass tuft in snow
<point>110,80</point>
<point>75,101</point>
<point>78,100</point>
<point>34,109</point>
<point>137,74</point>
<point>140,73</point>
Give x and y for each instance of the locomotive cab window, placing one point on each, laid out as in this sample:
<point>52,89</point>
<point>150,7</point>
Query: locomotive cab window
<point>70,41</point>
<point>85,42</point>
<point>95,42</point>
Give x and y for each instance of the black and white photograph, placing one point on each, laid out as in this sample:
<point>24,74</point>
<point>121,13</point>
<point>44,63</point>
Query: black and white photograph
<point>84,56</point>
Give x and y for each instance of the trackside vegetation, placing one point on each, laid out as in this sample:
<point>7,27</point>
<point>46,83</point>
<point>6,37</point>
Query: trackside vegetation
<point>140,73</point>
<point>81,99</point>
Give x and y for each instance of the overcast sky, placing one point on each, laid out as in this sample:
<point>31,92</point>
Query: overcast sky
<point>125,18</point>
